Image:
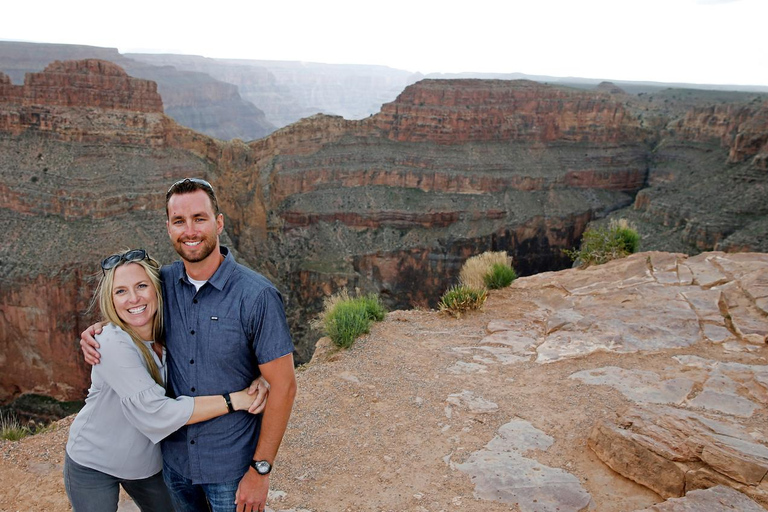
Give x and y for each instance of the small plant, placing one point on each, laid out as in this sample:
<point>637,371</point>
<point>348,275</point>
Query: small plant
<point>345,318</point>
<point>461,298</point>
<point>626,233</point>
<point>475,269</point>
<point>600,245</point>
<point>500,276</point>
<point>11,429</point>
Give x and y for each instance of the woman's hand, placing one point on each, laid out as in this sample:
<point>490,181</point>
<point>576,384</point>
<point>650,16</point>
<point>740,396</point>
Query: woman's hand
<point>253,398</point>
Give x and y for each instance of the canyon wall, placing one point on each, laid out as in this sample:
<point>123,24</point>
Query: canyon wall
<point>196,100</point>
<point>288,91</point>
<point>392,204</point>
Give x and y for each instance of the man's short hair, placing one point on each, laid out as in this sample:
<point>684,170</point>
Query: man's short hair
<point>189,185</point>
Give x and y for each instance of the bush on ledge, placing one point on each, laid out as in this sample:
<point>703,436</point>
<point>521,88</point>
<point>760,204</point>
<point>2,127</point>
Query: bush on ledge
<point>461,298</point>
<point>491,270</point>
<point>345,318</point>
<point>601,245</point>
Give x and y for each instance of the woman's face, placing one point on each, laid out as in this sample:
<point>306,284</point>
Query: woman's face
<point>135,298</point>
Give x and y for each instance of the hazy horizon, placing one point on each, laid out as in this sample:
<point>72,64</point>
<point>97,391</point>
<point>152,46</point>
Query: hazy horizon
<point>670,41</point>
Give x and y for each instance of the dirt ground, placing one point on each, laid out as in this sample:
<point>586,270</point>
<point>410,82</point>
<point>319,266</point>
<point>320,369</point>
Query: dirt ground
<point>372,429</point>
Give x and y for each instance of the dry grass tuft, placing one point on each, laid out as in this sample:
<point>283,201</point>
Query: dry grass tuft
<point>477,267</point>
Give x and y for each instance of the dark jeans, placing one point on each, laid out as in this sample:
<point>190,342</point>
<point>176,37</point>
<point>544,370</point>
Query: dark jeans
<point>90,490</point>
<point>189,497</point>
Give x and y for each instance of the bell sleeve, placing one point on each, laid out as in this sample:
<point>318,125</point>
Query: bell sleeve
<point>142,400</point>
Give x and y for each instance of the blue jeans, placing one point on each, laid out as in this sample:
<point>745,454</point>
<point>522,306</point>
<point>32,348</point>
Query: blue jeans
<point>90,490</point>
<point>189,497</point>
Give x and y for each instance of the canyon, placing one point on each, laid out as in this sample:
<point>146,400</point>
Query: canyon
<point>390,204</point>
<point>638,385</point>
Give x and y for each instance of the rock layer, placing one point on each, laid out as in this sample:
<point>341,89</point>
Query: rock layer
<point>193,99</point>
<point>673,452</point>
<point>392,204</point>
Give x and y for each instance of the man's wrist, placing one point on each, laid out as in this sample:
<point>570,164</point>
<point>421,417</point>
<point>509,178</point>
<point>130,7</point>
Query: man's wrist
<point>262,467</point>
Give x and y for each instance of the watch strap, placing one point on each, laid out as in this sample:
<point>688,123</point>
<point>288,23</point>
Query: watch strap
<point>229,402</point>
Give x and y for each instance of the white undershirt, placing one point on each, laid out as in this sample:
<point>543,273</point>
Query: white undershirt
<point>196,283</point>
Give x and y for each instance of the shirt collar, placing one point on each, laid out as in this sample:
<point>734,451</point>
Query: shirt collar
<point>219,278</point>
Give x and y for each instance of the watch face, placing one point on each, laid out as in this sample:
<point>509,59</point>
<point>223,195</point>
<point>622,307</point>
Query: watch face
<point>262,467</point>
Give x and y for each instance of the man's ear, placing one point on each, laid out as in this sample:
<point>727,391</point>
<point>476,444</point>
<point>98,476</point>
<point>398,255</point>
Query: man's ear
<point>219,223</point>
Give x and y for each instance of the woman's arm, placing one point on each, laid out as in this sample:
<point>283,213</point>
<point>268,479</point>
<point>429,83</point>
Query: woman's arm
<point>213,406</point>
<point>143,401</point>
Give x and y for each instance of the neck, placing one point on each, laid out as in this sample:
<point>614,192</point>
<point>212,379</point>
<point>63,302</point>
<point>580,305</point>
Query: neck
<point>203,270</point>
<point>146,333</point>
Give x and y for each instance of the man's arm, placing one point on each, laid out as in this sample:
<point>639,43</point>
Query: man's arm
<point>88,343</point>
<point>252,492</point>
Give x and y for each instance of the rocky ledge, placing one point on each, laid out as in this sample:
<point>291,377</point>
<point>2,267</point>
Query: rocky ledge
<point>608,389</point>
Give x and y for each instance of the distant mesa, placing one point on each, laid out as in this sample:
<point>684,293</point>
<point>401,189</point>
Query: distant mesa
<point>610,88</point>
<point>90,83</point>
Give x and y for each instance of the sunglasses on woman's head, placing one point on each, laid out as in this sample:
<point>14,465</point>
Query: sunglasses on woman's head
<point>112,261</point>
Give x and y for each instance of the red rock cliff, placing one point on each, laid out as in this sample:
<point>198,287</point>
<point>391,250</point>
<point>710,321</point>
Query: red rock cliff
<point>91,83</point>
<point>459,111</point>
<point>392,204</point>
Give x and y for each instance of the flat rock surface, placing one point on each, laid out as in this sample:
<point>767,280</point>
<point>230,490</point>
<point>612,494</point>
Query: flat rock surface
<point>715,499</point>
<point>495,411</point>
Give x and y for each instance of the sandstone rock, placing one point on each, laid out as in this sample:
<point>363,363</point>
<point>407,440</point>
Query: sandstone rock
<point>502,472</point>
<point>624,452</point>
<point>716,499</point>
<point>639,386</point>
<point>659,447</point>
<point>193,99</point>
<point>527,111</point>
<point>474,404</point>
<point>91,83</point>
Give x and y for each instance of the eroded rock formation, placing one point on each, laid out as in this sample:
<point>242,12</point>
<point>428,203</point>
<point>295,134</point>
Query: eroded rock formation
<point>193,99</point>
<point>391,204</point>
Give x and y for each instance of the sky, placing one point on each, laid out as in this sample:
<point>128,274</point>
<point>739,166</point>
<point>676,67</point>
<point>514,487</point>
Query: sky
<point>687,41</point>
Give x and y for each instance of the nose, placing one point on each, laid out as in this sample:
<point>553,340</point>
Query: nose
<point>133,297</point>
<point>189,229</point>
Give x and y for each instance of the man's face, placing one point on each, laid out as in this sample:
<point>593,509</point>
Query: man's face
<point>193,227</point>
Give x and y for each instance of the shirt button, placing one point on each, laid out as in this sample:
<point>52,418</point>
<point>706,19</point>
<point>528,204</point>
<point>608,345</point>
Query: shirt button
<point>192,331</point>
<point>192,442</point>
<point>193,390</point>
<point>191,361</point>
<point>194,301</point>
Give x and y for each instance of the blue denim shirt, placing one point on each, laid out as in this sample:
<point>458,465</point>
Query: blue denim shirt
<point>216,338</point>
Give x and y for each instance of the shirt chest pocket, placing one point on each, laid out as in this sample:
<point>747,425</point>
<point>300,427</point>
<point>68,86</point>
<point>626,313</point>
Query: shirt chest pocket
<point>225,335</point>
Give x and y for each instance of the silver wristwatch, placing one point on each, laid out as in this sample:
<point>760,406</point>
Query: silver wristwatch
<point>262,467</point>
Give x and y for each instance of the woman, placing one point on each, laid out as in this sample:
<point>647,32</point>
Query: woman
<point>114,439</point>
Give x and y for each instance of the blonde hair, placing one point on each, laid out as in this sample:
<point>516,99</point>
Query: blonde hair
<point>103,297</point>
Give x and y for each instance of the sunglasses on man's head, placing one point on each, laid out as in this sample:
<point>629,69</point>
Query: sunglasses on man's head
<point>191,180</point>
<point>112,261</point>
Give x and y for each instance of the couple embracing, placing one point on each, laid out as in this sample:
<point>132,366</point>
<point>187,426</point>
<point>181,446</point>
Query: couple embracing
<point>182,362</point>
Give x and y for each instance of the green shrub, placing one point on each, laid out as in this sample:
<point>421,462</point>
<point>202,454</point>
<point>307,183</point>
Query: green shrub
<point>500,276</point>
<point>461,298</point>
<point>11,429</point>
<point>600,245</point>
<point>345,318</point>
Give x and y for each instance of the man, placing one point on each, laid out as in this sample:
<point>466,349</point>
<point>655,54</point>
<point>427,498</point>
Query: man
<point>224,324</point>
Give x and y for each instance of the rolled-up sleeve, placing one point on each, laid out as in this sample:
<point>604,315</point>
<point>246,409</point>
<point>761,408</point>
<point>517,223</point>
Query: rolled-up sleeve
<point>142,400</point>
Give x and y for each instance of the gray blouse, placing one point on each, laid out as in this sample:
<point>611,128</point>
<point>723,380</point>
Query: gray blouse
<point>126,413</point>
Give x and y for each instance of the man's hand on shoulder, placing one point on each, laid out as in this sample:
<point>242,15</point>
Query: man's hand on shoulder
<point>252,492</point>
<point>89,345</point>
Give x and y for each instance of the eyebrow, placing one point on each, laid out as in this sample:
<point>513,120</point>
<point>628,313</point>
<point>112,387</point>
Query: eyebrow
<point>197,214</point>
